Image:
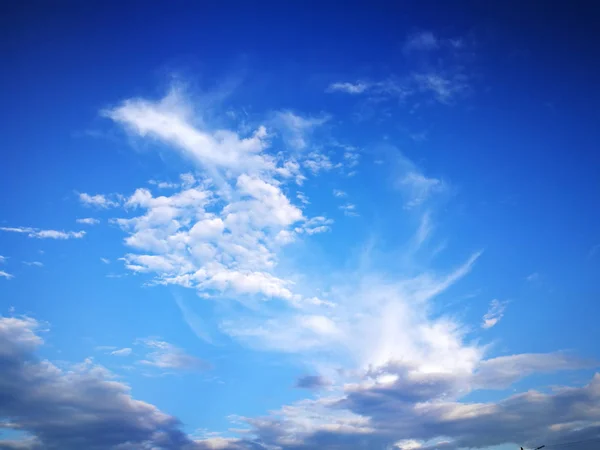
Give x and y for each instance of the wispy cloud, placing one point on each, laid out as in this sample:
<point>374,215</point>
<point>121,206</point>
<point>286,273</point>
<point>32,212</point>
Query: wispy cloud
<point>533,277</point>
<point>163,355</point>
<point>348,88</point>
<point>105,260</point>
<point>88,221</point>
<point>122,352</point>
<point>2,259</point>
<point>44,234</point>
<point>98,200</point>
<point>339,193</point>
<point>421,41</point>
<point>303,198</point>
<point>494,314</point>
<point>6,275</point>
<point>415,185</point>
<point>297,129</point>
<point>349,209</point>
<point>33,263</point>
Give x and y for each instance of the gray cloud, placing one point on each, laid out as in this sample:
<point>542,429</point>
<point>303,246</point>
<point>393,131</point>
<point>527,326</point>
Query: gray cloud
<point>312,382</point>
<point>75,409</point>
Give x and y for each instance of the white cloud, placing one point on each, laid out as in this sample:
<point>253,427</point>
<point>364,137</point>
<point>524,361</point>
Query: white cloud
<point>349,209</point>
<point>33,263</point>
<point>444,89</point>
<point>105,260</point>
<point>44,234</point>
<point>6,275</point>
<point>416,187</point>
<point>88,221</point>
<point>348,88</point>
<point>220,234</point>
<point>296,129</point>
<point>121,352</point>
<point>170,121</point>
<point>98,200</point>
<point>424,229</point>
<point>317,162</point>
<point>163,355</point>
<point>2,259</point>
<point>351,159</point>
<point>494,314</point>
<point>303,198</point>
<point>339,193</point>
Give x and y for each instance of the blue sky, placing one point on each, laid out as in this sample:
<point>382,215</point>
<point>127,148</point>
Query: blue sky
<point>290,226</point>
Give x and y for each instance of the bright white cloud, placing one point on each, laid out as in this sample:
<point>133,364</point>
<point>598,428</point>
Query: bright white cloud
<point>220,235</point>
<point>170,121</point>
<point>2,259</point>
<point>44,234</point>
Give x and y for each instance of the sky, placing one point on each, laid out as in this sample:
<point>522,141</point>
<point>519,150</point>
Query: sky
<point>299,225</point>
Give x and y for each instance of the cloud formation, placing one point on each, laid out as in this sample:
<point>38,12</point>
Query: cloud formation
<point>44,234</point>
<point>494,314</point>
<point>220,233</point>
<point>82,407</point>
<point>88,221</point>
<point>6,275</point>
<point>165,356</point>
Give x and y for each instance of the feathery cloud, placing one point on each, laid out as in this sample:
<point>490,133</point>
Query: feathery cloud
<point>44,234</point>
<point>494,314</point>
<point>88,221</point>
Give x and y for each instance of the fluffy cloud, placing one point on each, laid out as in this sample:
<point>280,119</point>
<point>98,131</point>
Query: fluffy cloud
<point>397,370</point>
<point>220,234</point>
<point>44,234</point>
<point>98,200</point>
<point>82,407</point>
